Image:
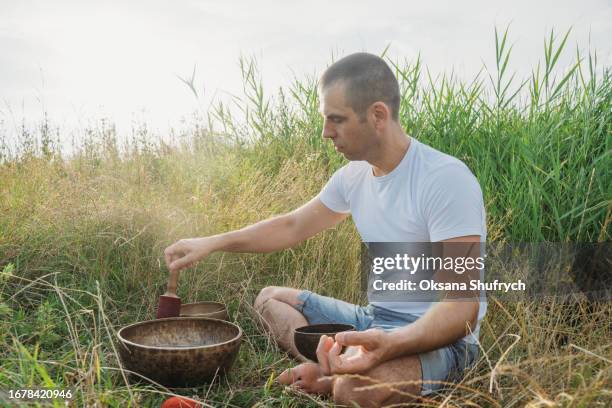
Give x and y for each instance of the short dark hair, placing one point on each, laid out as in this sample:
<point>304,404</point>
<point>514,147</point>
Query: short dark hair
<point>367,79</point>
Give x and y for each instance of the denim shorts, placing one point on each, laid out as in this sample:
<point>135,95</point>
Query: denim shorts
<point>446,364</point>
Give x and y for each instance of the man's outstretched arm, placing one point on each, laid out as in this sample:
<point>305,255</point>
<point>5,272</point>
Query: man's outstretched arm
<point>281,232</point>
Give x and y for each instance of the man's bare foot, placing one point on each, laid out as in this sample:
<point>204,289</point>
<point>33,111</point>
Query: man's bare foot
<point>307,377</point>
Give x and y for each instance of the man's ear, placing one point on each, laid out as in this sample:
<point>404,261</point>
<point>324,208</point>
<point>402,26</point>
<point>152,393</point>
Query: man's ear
<point>381,114</point>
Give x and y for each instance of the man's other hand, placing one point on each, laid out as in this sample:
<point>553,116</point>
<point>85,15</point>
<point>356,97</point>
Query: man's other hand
<point>367,350</point>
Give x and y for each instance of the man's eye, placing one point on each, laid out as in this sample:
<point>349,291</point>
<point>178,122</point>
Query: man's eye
<point>336,120</point>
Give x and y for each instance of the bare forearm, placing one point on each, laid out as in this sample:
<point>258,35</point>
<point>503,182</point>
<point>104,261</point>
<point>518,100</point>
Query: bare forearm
<point>443,324</point>
<point>265,236</point>
<point>270,235</point>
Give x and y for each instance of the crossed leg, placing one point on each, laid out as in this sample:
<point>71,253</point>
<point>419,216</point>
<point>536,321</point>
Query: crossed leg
<point>276,305</point>
<point>405,370</point>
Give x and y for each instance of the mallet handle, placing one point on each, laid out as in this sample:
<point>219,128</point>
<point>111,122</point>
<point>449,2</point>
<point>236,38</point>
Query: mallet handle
<point>172,282</point>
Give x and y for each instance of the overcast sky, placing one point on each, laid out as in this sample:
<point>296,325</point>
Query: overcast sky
<point>82,59</point>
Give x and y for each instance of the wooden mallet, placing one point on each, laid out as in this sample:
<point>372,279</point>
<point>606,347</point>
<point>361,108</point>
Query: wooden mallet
<point>170,304</point>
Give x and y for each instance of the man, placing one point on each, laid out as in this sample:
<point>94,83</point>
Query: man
<point>397,190</point>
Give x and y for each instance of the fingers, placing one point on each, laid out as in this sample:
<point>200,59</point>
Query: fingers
<point>335,350</point>
<point>334,358</point>
<point>325,344</point>
<point>179,256</point>
<point>182,263</point>
<point>351,364</point>
<point>330,359</point>
<point>172,253</point>
<point>368,339</point>
<point>167,257</point>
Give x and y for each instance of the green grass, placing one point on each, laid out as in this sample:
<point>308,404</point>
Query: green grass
<point>81,237</point>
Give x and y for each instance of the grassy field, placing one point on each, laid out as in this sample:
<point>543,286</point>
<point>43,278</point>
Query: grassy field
<point>81,237</point>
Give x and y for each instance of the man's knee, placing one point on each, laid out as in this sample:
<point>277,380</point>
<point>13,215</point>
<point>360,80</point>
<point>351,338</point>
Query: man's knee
<point>262,297</point>
<point>285,295</point>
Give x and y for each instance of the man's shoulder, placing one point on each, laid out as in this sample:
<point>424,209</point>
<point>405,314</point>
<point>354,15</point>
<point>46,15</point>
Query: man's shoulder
<point>441,171</point>
<point>435,162</point>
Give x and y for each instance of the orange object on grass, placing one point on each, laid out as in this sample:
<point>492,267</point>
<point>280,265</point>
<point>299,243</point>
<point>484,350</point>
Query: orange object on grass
<point>180,402</point>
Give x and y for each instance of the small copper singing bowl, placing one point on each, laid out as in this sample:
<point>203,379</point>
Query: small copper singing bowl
<point>306,338</point>
<point>213,310</point>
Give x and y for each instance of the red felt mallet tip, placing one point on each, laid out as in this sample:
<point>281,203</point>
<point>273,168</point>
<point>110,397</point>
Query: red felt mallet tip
<point>169,306</point>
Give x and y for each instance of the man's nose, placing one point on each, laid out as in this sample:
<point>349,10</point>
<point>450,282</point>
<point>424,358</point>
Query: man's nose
<point>328,130</point>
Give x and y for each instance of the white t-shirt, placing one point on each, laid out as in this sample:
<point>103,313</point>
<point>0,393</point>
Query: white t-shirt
<point>430,196</point>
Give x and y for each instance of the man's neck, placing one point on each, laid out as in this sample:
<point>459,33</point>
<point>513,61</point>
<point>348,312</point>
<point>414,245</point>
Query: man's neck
<point>391,154</point>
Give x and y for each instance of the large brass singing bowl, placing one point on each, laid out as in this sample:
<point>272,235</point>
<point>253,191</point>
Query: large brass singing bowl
<point>180,351</point>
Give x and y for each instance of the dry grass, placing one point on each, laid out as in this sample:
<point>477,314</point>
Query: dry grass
<point>81,239</point>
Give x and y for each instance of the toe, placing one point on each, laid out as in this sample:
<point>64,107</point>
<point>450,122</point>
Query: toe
<point>287,377</point>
